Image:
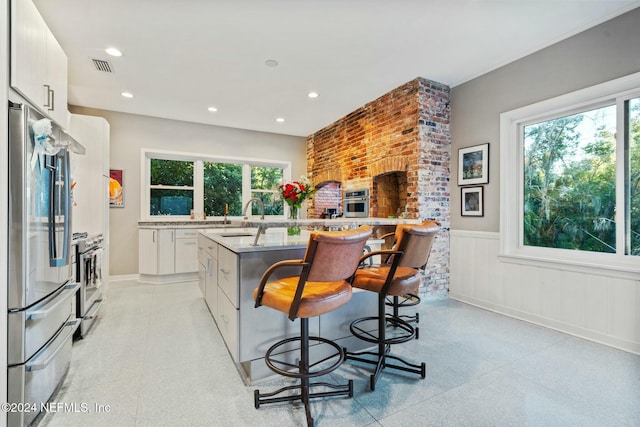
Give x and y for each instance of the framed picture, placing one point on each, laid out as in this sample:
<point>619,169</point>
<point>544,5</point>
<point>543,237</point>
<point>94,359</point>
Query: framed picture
<point>473,165</point>
<point>116,188</point>
<point>472,201</point>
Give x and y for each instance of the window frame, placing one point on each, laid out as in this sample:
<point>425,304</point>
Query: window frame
<point>512,249</point>
<point>147,154</point>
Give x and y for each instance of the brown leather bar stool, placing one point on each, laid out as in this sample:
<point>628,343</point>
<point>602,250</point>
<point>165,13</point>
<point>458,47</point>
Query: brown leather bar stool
<point>323,285</point>
<point>399,276</point>
<point>397,302</point>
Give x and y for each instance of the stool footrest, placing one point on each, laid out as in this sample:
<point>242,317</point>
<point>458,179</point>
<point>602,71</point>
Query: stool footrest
<point>404,331</point>
<point>381,361</point>
<point>272,397</point>
<point>283,367</point>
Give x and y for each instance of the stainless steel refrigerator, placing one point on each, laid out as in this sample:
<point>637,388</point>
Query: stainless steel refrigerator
<point>41,291</point>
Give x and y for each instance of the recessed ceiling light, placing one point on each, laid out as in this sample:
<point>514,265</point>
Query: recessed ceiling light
<point>212,109</point>
<point>271,63</point>
<point>280,120</point>
<point>127,94</point>
<point>113,51</point>
<point>312,94</point>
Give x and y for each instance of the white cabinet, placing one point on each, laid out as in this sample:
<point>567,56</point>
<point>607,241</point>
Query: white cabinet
<point>167,255</point>
<point>186,251</point>
<point>228,264</point>
<point>38,63</point>
<point>166,251</point>
<point>211,286</point>
<point>147,251</point>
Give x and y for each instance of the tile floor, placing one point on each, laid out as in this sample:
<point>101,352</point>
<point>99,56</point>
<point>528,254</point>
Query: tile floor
<point>156,359</point>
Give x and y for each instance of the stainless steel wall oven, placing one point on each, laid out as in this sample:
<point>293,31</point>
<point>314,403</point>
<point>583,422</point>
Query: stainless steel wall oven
<point>356,203</point>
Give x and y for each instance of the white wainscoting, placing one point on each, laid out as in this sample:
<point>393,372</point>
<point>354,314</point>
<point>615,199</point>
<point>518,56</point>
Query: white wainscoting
<point>594,305</point>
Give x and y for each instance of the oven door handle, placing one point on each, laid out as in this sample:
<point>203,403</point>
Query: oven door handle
<point>62,298</point>
<point>43,359</point>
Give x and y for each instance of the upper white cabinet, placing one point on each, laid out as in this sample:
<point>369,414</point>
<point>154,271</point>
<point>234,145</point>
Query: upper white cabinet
<point>38,63</point>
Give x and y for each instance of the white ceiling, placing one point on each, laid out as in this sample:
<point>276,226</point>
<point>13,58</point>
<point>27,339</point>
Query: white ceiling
<point>182,56</point>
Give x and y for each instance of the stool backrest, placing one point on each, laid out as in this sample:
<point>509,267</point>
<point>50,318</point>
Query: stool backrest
<point>415,242</point>
<point>334,255</point>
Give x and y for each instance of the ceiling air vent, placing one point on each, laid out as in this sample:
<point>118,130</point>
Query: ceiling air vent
<point>102,65</point>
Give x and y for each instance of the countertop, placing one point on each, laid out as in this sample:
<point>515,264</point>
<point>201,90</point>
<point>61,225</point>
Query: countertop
<point>275,223</point>
<point>242,240</point>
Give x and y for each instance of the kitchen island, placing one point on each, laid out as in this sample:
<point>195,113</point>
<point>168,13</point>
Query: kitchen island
<point>231,268</point>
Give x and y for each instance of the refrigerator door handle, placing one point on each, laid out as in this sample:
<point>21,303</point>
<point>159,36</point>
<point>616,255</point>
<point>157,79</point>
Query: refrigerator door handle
<point>61,166</point>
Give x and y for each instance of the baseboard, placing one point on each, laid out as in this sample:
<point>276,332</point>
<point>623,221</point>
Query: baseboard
<point>123,278</point>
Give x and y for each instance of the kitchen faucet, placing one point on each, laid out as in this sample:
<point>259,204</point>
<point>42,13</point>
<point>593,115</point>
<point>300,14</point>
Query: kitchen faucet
<point>246,207</point>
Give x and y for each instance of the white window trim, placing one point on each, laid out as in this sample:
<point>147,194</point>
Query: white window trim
<point>146,154</point>
<point>511,153</point>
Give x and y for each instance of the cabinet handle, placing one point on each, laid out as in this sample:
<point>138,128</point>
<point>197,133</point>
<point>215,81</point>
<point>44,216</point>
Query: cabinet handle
<point>189,243</point>
<point>223,317</point>
<point>172,235</point>
<point>224,271</point>
<point>154,236</point>
<point>210,247</point>
<point>53,100</point>
<point>47,95</point>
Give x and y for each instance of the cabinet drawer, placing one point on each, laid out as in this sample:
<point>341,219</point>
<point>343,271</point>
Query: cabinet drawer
<point>227,322</point>
<point>182,233</point>
<point>212,249</point>
<point>228,274</point>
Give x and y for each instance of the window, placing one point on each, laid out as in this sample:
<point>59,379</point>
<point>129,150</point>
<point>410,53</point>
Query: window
<point>264,183</point>
<point>570,178</point>
<point>175,184</point>
<point>171,187</point>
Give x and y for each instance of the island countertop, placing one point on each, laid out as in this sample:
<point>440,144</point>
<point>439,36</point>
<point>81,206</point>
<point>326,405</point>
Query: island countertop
<point>242,240</point>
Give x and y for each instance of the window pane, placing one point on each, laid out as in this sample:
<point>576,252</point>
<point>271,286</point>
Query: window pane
<point>222,186</point>
<point>171,172</point>
<point>569,182</point>
<point>264,178</point>
<point>272,204</point>
<point>171,202</point>
<point>634,175</point>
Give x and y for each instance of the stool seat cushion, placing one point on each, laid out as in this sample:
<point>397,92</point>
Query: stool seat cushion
<point>372,278</point>
<point>317,297</point>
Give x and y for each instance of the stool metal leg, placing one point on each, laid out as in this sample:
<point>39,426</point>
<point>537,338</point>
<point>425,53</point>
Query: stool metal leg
<point>304,372</point>
<point>381,358</point>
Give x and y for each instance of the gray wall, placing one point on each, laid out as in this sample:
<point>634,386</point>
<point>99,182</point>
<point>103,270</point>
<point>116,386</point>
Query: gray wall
<point>602,53</point>
<point>130,133</point>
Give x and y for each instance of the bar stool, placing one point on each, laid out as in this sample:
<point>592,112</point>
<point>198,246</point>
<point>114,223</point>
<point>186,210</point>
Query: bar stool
<point>398,276</point>
<point>397,302</point>
<point>323,285</point>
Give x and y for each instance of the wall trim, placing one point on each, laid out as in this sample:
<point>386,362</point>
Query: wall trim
<point>563,327</point>
<point>123,278</point>
<point>475,234</point>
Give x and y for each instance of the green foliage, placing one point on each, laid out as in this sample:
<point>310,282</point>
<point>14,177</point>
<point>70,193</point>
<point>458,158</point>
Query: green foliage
<point>171,172</point>
<point>222,186</point>
<point>569,191</point>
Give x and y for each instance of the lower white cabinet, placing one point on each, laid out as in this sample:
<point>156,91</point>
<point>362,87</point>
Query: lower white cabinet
<point>167,254</point>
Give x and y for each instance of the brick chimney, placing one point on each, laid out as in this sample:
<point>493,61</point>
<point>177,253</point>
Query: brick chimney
<point>399,147</point>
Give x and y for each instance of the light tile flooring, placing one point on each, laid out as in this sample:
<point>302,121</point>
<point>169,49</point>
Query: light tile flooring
<point>156,359</point>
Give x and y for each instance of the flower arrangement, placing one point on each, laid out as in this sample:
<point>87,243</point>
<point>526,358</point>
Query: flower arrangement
<point>296,192</point>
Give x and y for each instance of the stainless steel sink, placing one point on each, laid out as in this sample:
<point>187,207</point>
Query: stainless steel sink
<point>240,234</point>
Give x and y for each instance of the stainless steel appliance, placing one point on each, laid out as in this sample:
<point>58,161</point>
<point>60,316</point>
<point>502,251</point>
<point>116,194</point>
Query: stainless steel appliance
<point>356,203</point>
<point>41,291</point>
<point>88,274</point>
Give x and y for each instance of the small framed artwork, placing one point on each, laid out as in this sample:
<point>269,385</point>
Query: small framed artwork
<point>473,165</point>
<point>116,188</point>
<point>472,201</point>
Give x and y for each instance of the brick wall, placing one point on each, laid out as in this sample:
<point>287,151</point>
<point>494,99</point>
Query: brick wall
<point>404,131</point>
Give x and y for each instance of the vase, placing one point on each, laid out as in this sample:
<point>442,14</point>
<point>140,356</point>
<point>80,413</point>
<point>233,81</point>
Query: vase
<point>293,230</point>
